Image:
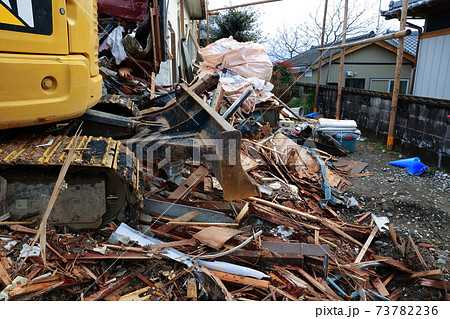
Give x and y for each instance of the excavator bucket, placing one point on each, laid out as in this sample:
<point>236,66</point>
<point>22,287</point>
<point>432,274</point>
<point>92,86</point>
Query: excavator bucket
<point>186,126</point>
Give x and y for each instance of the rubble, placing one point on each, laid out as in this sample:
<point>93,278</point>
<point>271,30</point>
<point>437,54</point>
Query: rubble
<point>285,242</point>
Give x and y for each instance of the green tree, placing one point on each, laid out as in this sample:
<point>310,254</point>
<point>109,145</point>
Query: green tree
<point>240,23</point>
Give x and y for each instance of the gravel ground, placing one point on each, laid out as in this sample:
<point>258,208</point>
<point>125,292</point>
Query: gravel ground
<point>416,205</point>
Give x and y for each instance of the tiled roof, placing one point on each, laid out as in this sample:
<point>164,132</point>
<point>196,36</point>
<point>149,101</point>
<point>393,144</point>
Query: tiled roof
<point>415,7</point>
<point>311,57</point>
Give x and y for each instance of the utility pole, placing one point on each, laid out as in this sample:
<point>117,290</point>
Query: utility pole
<point>398,70</point>
<point>316,96</point>
<point>341,64</point>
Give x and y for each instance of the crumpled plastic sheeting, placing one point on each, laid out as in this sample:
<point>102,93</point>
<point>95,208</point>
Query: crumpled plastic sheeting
<point>143,240</point>
<point>247,64</point>
<point>115,42</point>
<point>244,58</point>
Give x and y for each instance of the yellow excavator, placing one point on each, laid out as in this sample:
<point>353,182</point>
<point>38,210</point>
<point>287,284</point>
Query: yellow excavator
<point>49,82</point>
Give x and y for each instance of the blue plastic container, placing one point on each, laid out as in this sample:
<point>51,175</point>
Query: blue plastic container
<point>347,140</point>
<point>416,168</point>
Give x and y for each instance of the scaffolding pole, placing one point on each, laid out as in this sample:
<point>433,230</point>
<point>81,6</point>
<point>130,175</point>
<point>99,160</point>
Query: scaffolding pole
<point>341,64</point>
<point>316,95</point>
<point>398,69</point>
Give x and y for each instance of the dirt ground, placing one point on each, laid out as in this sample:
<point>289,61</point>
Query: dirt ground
<point>416,205</point>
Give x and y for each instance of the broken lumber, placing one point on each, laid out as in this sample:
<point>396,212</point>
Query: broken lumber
<point>184,218</point>
<point>241,279</point>
<point>422,261</point>
<point>426,273</point>
<point>5,279</point>
<point>366,245</point>
<point>189,184</point>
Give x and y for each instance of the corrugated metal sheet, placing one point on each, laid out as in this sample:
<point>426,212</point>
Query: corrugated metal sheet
<point>433,68</point>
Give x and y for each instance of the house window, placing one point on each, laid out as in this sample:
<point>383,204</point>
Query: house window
<point>387,85</point>
<point>403,86</point>
<point>308,74</point>
<point>355,83</point>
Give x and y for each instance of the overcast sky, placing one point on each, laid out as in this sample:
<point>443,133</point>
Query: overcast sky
<point>293,12</point>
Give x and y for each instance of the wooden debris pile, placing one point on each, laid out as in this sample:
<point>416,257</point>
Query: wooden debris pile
<point>189,244</point>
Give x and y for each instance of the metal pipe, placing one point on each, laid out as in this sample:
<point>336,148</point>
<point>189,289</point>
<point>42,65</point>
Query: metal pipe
<point>234,107</point>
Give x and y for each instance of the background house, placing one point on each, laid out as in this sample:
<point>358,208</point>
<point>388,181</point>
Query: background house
<point>367,66</point>
<point>432,77</point>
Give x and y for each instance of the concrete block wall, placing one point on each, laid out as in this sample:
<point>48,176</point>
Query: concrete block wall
<point>422,128</point>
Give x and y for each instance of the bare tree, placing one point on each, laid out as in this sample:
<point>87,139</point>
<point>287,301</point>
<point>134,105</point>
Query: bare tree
<point>287,43</point>
<point>290,41</point>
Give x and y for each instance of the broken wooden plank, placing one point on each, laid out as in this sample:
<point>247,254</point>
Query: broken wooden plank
<point>5,263</point>
<point>433,283</point>
<point>333,227</point>
<point>136,295</point>
<point>388,279</point>
<point>218,97</point>
<point>380,287</point>
<point>189,184</point>
<point>392,262</point>
<point>184,218</point>
<point>110,288</point>
<point>362,252</point>
<point>241,279</point>
<point>360,166</point>
<point>393,235</point>
<point>363,217</point>
<point>242,213</point>
<point>322,287</point>
<point>5,279</point>
<point>191,289</point>
<point>215,237</point>
<point>426,273</point>
<point>184,242</point>
<point>422,261</point>
<point>4,217</point>
<point>283,293</point>
<point>202,224</point>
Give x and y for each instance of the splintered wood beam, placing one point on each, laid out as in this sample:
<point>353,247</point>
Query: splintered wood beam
<point>218,97</point>
<point>191,292</point>
<point>184,218</point>
<point>203,224</point>
<point>242,213</point>
<point>226,294</point>
<point>422,261</point>
<point>380,287</point>
<point>366,245</point>
<point>393,235</point>
<point>426,273</point>
<point>189,184</point>
<point>110,288</point>
<point>241,279</point>
<point>4,277</point>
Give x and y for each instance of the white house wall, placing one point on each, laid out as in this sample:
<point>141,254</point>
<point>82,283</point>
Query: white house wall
<point>433,68</point>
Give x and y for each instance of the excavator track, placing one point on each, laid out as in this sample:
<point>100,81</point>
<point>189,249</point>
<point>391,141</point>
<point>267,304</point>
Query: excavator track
<point>102,184</point>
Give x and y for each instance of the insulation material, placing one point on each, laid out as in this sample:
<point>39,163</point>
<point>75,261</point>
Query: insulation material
<point>239,65</point>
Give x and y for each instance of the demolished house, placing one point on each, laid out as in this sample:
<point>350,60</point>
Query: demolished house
<point>237,197</point>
